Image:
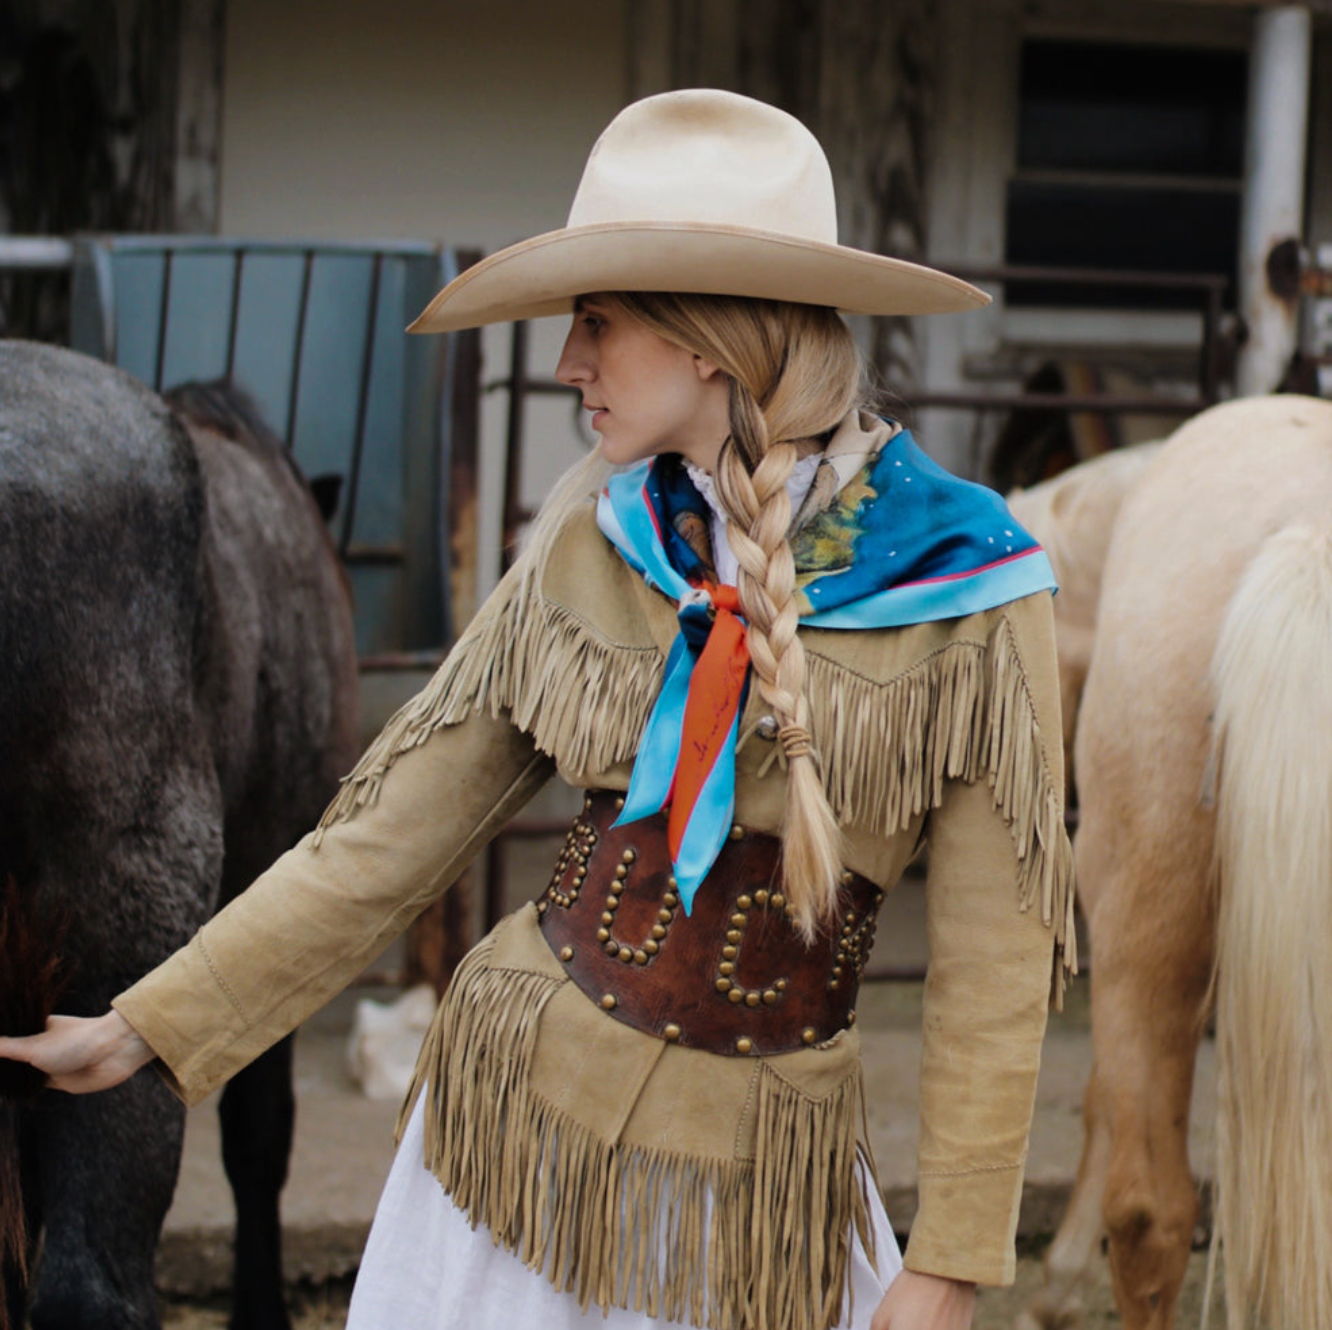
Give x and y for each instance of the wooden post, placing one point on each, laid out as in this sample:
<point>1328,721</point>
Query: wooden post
<point>860,74</point>
<point>876,92</point>
<point>198,135</point>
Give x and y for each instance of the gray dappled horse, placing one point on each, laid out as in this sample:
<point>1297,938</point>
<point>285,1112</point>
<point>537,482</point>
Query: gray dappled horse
<point>177,701</point>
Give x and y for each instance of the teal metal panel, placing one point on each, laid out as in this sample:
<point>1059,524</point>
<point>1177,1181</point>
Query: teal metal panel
<point>313,333</point>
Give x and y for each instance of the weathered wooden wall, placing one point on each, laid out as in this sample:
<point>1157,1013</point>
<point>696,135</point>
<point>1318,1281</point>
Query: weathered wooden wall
<point>861,75</point>
<point>109,121</point>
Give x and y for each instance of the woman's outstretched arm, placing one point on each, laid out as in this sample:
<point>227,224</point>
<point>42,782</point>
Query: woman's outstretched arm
<point>80,1054</point>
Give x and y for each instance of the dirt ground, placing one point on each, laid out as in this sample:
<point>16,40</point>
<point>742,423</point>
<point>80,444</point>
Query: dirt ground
<point>326,1308</point>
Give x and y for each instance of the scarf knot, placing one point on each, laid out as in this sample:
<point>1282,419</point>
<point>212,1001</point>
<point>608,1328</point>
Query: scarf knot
<point>892,542</point>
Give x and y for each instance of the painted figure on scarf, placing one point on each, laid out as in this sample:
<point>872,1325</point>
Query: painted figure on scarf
<point>780,649</point>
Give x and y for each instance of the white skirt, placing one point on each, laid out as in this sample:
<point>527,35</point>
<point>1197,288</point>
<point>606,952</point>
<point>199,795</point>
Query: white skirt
<point>426,1268</point>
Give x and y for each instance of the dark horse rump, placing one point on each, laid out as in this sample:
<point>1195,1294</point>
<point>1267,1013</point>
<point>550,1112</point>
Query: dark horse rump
<point>177,700</point>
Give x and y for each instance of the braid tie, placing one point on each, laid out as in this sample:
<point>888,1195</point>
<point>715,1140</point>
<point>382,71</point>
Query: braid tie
<point>795,741</point>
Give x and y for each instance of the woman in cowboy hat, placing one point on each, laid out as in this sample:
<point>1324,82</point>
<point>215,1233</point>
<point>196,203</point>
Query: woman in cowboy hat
<point>780,650</point>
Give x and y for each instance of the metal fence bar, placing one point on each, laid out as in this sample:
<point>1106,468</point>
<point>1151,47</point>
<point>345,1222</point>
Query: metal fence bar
<point>303,308</point>
<point>234,323</point>
<point>36,253</point>
<point>162,318</point>
<point>362,406</point>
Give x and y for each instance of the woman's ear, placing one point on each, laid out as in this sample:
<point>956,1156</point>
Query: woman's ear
<point>706,368</point>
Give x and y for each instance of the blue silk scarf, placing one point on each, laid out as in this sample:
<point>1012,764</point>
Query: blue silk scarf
<point>901,542</point>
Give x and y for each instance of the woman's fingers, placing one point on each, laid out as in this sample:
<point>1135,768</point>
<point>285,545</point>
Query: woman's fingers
<point>81,1053</point>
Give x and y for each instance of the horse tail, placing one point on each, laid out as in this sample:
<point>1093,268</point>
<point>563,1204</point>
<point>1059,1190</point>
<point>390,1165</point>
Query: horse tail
<point>1272,725</point>
<point>32,978</point>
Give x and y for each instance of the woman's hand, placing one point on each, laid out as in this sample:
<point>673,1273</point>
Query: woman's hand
<point>925,1302</point>
<point>80,1054</point>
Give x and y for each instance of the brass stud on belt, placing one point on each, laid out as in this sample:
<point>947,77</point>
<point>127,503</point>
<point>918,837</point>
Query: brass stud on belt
<point>743,1045</point>
<point>850,1017</point>
<point>608,1002</point>
<point>664,916</point>
<point>753,998</point>
<point>619,802</point>
<point>607,918</point>
<point>626,954</point>
<point>761,896</point>
<point>621,872</point>
<point>733,935</point>
<point>735,995</point>
<point>769,997</point>
<point>641,957</point>
<point>724,986</point>
<point>738,920</point>
<point>777,901</point>
<point>670,900</point>
<point>847,876</point>
<point>726,967</point>
<point>671,1033</point>
<point>807,1036</point>
<point>780,985</point>
<point>603,934</point>
<point>730,952</point>
<point>651,947</point>
<point>617,887</point>
<point>629,856</point>
<point>658,932</point>
<point>612,948</point>
<point>744,903</point>
<point>612,902</point>
<point>737,832</point>
<point>671,882</point>
<point>566,953</point>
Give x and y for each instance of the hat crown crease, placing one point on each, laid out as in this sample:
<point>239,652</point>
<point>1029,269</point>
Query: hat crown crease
<point>698,159</point>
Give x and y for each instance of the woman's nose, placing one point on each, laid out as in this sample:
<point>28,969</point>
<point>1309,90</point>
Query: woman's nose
<point>573,367</point>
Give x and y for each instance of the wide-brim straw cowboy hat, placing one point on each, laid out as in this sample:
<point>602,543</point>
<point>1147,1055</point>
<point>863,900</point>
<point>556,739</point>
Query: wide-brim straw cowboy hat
<point>697,191</point>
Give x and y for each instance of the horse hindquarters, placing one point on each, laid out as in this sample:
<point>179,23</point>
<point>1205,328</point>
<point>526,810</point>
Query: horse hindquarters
<point>1272,683</point>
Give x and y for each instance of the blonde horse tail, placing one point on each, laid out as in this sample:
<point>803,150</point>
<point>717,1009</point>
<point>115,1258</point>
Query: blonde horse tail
<point>1272,726</point>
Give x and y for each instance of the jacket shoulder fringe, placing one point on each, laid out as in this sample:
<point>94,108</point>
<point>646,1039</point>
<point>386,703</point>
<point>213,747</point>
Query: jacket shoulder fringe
<point>583,698</point>
<point>714,1242</point>
<point>962,712</point>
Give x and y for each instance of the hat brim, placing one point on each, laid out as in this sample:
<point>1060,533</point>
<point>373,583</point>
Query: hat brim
<point>542,276</point>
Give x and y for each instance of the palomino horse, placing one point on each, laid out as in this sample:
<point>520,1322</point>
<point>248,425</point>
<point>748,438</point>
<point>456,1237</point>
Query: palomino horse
<point>1204,859</point>
<point>1072,516</point>
<point>178,699</point>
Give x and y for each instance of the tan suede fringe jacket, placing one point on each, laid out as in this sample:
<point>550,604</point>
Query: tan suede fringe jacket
<point>635,1173</point>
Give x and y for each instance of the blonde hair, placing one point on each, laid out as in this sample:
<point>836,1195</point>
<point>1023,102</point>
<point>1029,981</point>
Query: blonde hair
<point>793,372</point>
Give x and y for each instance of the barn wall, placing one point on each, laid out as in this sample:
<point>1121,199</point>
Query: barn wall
<point>439,119</point>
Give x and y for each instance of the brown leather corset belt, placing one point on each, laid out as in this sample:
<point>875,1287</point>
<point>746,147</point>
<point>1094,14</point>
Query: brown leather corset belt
<point>733,976</point>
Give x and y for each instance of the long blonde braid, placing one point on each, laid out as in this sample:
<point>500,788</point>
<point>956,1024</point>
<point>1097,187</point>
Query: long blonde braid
<point>793,372</point>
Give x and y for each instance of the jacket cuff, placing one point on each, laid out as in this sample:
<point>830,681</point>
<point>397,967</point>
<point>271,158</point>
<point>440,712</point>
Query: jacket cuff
<point>171,1030</point>
<point>955,1234</point>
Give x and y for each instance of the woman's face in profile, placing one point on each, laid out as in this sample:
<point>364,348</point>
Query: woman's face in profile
<point>647,395</point>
